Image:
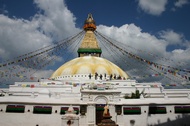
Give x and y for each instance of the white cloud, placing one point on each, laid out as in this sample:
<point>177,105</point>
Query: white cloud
<point>145,44</point>
<point>57,21</point>
<point>178,51</point>
<point>133,36</point>
<point>181,3</point>
<point>171,37</point>
<point>181,56</point>
<point>43,73</point>
<point>153,7</point>
<point>53,22</point>
<point>23,74</point>
<point>19,36</point>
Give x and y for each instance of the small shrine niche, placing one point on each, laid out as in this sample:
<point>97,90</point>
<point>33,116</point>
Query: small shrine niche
<point>106,121</point>
<point>70,118</point>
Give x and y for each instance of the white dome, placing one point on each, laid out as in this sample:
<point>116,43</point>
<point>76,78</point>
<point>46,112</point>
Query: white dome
<point>89,65</point>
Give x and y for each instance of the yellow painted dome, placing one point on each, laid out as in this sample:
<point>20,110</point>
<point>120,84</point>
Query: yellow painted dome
<point>89,65</point>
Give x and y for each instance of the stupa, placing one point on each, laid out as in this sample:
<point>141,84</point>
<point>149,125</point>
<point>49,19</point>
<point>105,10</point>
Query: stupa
<point>106,121</point>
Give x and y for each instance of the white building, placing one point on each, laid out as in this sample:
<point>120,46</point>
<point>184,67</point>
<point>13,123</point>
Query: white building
<point>78,85</point>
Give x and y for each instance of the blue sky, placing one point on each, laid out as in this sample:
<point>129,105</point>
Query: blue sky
<point>113,13</point>
<point>122,12</point>
<point>160,27</point>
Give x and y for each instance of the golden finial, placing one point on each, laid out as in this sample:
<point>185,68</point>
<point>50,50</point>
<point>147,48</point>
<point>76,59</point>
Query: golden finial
<point>89,24</point>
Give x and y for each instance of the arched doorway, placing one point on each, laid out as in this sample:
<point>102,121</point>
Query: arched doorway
<point>101,101</point>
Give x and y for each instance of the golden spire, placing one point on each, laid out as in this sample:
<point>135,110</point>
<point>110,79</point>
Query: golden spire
<point>89,44</point>
<point>89,24</point>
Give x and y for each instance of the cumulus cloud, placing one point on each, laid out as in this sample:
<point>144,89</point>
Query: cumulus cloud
<point>19,36</point>
<point>181,3</point>
<point>153,7</point>
<point>132,35</point>
<point>56,21</point>
<point>3,10</point>
<point>146,45</point>
<point>182,56</point>
<point>53,22</point>
<point>171,37</point>
<point>43,73</point>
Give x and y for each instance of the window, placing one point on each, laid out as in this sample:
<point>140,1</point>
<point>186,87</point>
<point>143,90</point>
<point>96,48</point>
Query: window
<point>15,108</point>
<point>63,110</point>
<point>182,109</point>
<point>131,110</point>
<point>157,110</point>
<point>76,109</point>
<point>42,110</point>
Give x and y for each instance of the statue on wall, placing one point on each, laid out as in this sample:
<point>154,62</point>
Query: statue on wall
<point>106,121</point>
<point>106,111</point>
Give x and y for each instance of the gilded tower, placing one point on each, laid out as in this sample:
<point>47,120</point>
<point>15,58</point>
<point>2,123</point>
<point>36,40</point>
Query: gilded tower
<point>89,44</point>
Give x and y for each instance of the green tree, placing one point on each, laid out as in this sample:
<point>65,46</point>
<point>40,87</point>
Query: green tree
<point>135,95</point>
